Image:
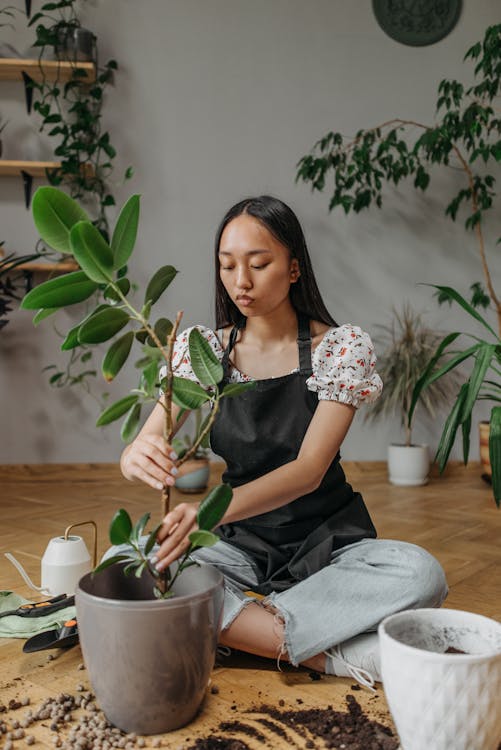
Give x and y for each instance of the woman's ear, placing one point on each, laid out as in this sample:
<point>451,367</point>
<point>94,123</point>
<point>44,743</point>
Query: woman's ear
<point>295,273</point>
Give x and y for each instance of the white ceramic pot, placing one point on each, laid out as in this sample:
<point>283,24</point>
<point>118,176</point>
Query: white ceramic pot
<point>438,700</point>
<point>408,464</point>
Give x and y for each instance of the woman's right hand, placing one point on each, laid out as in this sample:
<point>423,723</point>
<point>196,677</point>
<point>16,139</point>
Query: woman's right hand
<point>151,460</point>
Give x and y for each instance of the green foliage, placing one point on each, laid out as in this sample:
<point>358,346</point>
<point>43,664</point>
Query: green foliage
<point>204,362</point>
<point>54,214</point>
<point>103,266</point>
<point>136,559</point>
<point>56,293</point>
<point>485,358</point>
<point>466,135</point>
<point>92,252</point>
<point>12,281</point>
<point>71,113</point>
<point>159,282</point>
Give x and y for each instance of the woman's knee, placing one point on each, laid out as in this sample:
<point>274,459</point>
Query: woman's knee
<point>429,585</point>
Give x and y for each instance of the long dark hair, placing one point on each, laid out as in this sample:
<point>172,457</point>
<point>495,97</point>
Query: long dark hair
<point>283,224</point>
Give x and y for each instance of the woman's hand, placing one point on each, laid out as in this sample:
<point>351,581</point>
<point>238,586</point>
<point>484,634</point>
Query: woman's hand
<point>150,459</point>
<point>174,532</point>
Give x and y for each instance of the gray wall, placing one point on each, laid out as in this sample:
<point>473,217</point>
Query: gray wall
<point>215,100</point>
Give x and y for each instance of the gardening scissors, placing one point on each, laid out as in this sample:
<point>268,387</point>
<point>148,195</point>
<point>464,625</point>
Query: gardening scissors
<point>63,637</point>
<point>39,609</point>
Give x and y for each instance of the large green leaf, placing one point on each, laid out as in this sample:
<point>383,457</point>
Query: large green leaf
<point>450,429</point>
<point>162,328</point>
<point>202,538</point>
<point>235,389</point>
<point>204,362</point>
<point>159,283</point>
<point>124,236</point>
<point>110,293</point>
<point>428,377</point>
<point>120,527</point>
<point>92,252</point>
<point>139,528</point>
<point>43,313</point>
<point>214,506</point>
<point>116,356</point>
<point>482,363</point>
<point>54,214</point>
<point>66,290</point>
<point>116,410</point>
<point>495,452</point>
<point>102,326</point>
<point>130,427</point>
<point>111,561</point>
<point>452,294</point>
<point>187,394</point>
<point>71,341</point>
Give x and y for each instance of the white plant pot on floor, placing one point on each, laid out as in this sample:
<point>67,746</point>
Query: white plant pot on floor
<point>408,464</point>
<point>439,700</point>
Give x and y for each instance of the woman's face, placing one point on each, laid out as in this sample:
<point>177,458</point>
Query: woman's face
<point>255,268</point>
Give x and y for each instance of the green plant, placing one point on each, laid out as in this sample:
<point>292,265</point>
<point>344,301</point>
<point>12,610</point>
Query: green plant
<point>407,347</point>
<point>72,114</point>
<point>136,559</point>
<point>12,281</point>
<point>64,225</point>
<point>466,135</point>
<point>485,356</point>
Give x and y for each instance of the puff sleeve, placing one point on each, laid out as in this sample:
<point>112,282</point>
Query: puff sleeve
<point>344,367</point>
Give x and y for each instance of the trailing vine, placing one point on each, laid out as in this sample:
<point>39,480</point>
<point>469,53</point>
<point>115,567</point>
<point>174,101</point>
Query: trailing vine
<point>71,112</point>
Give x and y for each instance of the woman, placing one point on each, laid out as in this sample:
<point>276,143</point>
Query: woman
<point>295,530</point>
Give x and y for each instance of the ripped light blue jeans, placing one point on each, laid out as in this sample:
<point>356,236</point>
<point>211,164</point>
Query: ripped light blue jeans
<point>363,583</point>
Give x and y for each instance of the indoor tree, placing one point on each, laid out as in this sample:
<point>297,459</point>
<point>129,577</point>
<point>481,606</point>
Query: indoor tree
<point>466,135</point>
<point>64,226</point>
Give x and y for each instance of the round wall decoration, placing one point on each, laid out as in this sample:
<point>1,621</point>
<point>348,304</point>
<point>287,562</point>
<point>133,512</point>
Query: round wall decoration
<point>417,22</point>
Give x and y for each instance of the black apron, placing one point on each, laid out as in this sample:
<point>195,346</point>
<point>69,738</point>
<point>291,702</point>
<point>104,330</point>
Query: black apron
<point>255,433</point>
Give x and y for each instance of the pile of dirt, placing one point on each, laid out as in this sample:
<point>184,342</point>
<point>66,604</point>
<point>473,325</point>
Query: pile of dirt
<point>350,729</point>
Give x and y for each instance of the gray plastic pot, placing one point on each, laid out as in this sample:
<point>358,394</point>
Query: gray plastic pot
<point>149,660</point>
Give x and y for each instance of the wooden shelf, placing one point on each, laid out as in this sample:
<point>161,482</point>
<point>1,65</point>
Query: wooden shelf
<point>65,266</point>
<point>41,266</point>
<point>9,168</point>
<point>12,69</point>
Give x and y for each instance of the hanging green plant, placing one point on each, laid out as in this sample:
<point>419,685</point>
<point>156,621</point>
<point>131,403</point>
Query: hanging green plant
<point>71,112</point>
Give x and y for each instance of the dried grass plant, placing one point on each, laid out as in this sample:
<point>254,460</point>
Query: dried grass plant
<point>406,346</point>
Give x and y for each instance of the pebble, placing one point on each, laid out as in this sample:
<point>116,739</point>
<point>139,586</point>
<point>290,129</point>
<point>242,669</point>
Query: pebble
<point>30,740</point>
<point>8,745</point>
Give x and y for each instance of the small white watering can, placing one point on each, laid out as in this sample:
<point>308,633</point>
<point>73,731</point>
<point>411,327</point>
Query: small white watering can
<point>64,562</point>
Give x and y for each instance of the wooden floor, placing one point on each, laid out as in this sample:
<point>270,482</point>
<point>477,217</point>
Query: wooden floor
<point>453,517</point>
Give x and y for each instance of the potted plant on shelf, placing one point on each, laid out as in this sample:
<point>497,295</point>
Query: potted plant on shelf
<point>407,346</point>
<point>194,475</point>
<point>165,624</point>
<point>466,136</point>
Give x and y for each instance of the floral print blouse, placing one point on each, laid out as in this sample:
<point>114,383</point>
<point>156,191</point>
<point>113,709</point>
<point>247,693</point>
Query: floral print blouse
<point>343,364</point>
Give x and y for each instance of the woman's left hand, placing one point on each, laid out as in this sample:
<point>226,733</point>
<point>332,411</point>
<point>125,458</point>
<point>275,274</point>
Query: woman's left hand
<point>174,532</point>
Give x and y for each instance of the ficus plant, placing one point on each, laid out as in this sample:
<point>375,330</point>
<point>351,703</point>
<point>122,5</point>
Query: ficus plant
<point>465,136</point>
<point>63,225</point>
